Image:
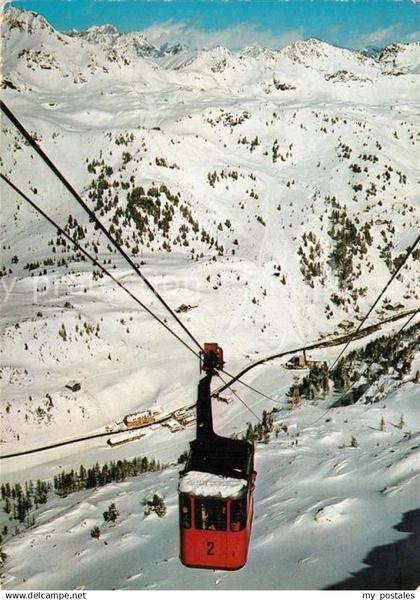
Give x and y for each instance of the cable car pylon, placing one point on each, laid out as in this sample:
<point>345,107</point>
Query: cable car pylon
<point>216,487</point>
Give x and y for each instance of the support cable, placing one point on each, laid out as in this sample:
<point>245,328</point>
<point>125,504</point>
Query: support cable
<point>94,260</point>
<point>109,274</point>
<point>94,218</point>
<point>365,370</point>
<point>91,214</point>
<point>240,399</point>
<point>100,226</point>
<point>406,257</point>
<point>248,386</point>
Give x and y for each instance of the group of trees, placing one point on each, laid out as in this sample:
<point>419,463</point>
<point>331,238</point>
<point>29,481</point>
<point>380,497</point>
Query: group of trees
<point>3,557</point>
<point>110,516</point>
<point>386,354</point>
<point>351,240</point>
<point>251,143</point>
<point>124,139</point>
<point>262,430</point>
<point>19,500</point>
<point>156,505</point>
<point>154,211</point>
<point>311,261</point>
<point>386,250</point>
<point>68,482</point>
<point>316,383</point>
<point>214,176</point>
<point>229,119</point>
<point>160,161</point>
<point>84,330</point>
<point>276,154</point>
<point>149,214</point>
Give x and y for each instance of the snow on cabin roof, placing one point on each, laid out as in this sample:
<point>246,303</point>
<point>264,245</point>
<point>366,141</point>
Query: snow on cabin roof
<point>198,483</point>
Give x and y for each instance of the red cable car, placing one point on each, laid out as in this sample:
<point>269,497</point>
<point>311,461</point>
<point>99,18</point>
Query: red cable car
<point>216,488</point>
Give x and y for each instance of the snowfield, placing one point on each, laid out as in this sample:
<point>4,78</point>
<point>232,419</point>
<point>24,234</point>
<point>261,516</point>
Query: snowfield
<point>321,505</point>
<point>268,195</point>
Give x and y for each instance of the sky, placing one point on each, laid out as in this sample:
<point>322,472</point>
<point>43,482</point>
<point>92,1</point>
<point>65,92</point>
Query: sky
<point>239,23</point>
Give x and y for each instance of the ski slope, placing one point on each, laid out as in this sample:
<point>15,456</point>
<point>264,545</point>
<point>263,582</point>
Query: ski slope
<point>321,506</point>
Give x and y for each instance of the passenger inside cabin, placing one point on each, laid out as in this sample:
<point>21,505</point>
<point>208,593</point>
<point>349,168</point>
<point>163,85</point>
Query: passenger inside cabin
<point>210,514</point>
<point>238,514</point>
<point>185,512</point>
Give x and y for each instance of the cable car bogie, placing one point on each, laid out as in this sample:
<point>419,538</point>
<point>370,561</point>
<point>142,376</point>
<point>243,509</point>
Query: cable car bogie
<point>211,358</point>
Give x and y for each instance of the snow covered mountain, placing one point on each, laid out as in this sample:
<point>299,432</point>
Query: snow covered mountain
<point>321,505</point>
<point>400,59</point>
<point>133,45</point>
<point>269,195</point>
<point>108,36</point>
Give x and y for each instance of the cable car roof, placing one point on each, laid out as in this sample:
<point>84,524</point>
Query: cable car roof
<point>197,483</point>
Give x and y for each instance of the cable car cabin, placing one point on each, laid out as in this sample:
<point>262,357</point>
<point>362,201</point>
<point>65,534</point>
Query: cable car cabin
<point>215,492</point>
<point>216,509</point>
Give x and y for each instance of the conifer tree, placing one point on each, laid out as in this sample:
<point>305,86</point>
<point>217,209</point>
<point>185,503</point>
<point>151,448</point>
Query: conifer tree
<point>95,532</point>
<point>112,513</point>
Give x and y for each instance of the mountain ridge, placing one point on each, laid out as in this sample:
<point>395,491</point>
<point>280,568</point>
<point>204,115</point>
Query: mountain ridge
<point>136,44</point>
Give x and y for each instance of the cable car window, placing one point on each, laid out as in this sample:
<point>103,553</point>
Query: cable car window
<point>184,511</point>
<point>210,514</point>
<point>238,514</point>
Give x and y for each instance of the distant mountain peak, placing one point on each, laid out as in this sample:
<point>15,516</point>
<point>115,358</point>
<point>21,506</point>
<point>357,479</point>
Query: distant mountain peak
<point>259,51</point>
<point>103,29</point>
<point>25,20</point>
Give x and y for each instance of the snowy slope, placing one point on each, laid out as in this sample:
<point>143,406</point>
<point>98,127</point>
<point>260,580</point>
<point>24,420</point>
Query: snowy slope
<point>320,507</point>
<point>253,155</point>
<point>252,166</point>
